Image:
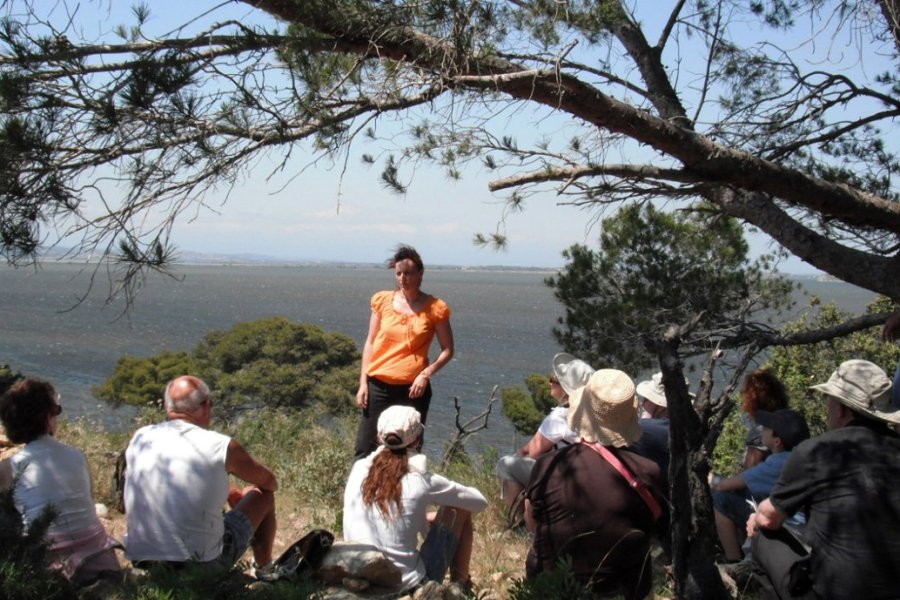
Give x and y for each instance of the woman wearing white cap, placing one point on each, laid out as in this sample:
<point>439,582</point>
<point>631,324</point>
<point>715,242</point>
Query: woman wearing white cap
<point>386,504</point>
<point>514,470</point>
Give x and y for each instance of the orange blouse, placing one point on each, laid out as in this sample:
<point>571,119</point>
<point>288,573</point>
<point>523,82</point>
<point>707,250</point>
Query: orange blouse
<point>400,349</point>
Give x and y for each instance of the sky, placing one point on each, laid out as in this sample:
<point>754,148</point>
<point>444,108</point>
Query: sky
<point>329,213</point>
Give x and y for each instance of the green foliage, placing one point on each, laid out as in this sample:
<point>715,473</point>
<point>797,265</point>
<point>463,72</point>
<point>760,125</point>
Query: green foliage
<point>24,556</point>
<point>325,443</point>
<point>654,269</point>
<point>194,582</point>
<point>559,584</point>
<point>273,361</point>
<point>729,451</point>
<point>142,381</point>
<point>7,378</point>
<point>526,407</point>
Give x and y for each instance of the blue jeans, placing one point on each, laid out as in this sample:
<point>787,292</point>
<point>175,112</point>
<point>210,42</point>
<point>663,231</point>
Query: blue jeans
<point>437,551</point>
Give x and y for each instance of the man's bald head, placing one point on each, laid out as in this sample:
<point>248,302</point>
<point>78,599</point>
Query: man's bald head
<point>185,394</point>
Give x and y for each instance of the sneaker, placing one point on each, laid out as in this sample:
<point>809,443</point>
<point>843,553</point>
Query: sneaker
<point>267,572</point>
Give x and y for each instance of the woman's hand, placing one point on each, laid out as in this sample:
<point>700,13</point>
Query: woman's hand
<point>418,385</point>
<point>891,327</point>
<point>362,396</point>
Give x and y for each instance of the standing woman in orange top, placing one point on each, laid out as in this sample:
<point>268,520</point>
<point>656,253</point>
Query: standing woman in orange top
<point>395,367</point>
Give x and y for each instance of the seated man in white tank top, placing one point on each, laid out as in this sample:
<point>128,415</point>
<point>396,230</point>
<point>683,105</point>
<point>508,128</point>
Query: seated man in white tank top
<point>176,485</point>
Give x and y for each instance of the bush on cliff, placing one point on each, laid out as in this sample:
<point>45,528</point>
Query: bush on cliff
<point>271,362</point>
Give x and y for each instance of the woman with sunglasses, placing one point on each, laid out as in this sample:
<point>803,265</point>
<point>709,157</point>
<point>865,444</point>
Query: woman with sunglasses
<point>48,475</point>
<point>514,470</point>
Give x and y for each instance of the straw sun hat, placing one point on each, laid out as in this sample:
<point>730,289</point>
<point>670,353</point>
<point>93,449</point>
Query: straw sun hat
<point>604,410</point>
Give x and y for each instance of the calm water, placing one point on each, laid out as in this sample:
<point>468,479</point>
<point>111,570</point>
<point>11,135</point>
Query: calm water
<point>502,324</point>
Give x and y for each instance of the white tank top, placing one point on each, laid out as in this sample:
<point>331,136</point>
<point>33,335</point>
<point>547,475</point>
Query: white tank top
<point>51,473</point>
<point>175,488</point>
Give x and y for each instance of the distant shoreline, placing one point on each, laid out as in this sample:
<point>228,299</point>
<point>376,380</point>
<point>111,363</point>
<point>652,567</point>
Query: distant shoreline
<point>252,260</point>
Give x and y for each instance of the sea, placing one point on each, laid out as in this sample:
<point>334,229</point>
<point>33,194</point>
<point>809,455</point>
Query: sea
<point>57,324</point>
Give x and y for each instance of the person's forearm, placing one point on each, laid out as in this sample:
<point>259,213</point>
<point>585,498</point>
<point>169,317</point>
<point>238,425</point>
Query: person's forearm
<point>726,484</point>
<point>267,481</point>
<point>364,365</point>
<point>442,359</point>
<point>765,517</point>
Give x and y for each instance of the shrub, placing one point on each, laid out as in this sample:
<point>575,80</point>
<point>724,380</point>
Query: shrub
<point>526,407</point>
<point>270,362</point>
<point>25,556</point>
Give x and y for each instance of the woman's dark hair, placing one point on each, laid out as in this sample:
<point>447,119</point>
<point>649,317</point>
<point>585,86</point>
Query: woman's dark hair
<point>762,391</point>
<point>404,252</point>
<point>383,485</point>
<point>24,409</point>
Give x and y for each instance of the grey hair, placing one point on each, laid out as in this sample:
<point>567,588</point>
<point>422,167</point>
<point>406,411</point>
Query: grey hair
<point>189,402</point>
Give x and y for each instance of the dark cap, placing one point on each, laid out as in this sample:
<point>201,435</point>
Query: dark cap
<point>786,424</point>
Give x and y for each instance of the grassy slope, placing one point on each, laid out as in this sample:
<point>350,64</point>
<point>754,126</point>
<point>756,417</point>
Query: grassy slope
<point>312,462</point>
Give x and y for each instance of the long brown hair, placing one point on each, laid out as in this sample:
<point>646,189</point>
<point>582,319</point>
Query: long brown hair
<point>763,391</point>
<point>382,486</point>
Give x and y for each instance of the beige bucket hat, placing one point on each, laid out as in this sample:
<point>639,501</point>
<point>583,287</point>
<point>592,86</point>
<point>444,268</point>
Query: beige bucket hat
<point>604,410</point>
<point>864,387</point>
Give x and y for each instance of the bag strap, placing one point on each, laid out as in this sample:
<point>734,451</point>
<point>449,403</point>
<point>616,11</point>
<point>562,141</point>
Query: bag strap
<point>636,484</point>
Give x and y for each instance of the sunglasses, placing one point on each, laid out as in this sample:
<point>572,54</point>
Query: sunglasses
<point>55,410</point>
<point>554,380</point>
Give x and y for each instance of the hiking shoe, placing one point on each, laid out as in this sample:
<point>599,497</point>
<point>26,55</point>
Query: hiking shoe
<point>267,572</point>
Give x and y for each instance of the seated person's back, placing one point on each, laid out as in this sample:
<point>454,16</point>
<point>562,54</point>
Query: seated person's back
<point>176,485</point>
<point>581,507</point>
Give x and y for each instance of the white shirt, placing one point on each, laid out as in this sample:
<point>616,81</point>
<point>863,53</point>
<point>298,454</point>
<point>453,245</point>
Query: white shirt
<point>51,473</point>
<point>555,427</point>
<point>397,538</point>
<point>176,486</point>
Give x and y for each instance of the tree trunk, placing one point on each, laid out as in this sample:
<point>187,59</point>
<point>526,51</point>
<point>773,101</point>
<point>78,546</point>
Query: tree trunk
<point>692,531</point>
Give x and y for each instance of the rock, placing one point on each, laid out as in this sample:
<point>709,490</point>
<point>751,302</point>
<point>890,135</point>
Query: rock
<point>355,584</point>
<point>359,561</point>
<point>101,510</point>
<point>431,590</point>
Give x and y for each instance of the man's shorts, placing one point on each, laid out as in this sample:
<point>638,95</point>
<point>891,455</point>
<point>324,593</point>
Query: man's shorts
<point>437,551</point>
<point>514,467</point>
<point>734,504</point>
<point>235,540</point>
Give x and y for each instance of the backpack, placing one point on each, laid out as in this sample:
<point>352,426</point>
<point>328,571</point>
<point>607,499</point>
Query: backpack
<point>303,557</point>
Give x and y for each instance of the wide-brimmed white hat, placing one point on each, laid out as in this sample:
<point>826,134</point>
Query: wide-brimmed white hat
<point>653,390</point>
<point>604,410</point>
<point>571,372</point>
<point>404,422</point>
<point>864,387</point>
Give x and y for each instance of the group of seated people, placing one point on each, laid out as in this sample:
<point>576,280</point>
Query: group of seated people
<point>593,486</point>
